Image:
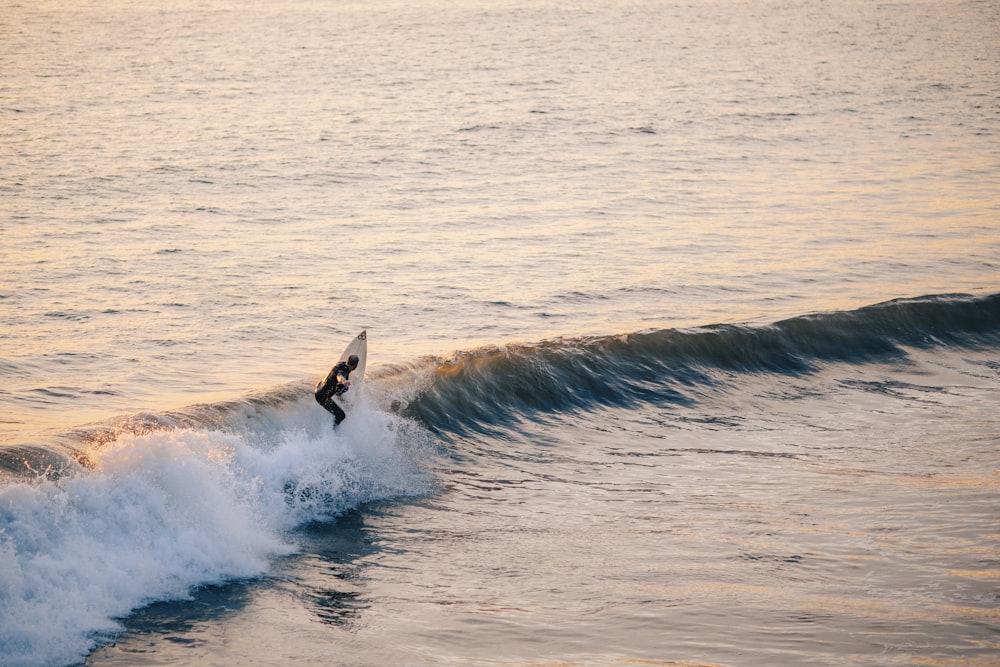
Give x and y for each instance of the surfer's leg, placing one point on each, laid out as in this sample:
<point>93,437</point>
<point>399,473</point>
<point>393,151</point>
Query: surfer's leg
<point>338,412</point>
<point>331,406</point>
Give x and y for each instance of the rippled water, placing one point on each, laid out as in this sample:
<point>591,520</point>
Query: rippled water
<point>199,197</point>
<point>202,203</point>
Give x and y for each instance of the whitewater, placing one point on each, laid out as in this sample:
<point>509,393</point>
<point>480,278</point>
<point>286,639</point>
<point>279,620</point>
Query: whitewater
<point>683,319</point>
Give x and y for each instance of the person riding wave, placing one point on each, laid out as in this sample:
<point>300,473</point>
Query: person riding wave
<point>335,384</point>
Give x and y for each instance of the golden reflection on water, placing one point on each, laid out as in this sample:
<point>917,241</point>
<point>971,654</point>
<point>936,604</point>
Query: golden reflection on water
<point>805,601</point>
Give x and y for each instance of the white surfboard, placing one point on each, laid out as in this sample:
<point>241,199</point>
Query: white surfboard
<point>358,346</point>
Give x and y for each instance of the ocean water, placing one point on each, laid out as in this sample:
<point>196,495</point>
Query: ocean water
<point>683,318</point>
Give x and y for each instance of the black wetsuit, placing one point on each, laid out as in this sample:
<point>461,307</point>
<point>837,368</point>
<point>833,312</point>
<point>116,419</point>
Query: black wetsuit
<point>335,384</point>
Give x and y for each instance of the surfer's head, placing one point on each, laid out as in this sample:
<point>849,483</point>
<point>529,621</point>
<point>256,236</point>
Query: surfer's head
<point>352,361</point>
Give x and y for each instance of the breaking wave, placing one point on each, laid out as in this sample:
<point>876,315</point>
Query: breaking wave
<point>480,389</point>
<point>147,507</point>
<point>159,505</point>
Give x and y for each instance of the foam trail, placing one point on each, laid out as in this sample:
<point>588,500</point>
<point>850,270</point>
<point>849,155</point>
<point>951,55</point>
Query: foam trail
<point>156,514</point>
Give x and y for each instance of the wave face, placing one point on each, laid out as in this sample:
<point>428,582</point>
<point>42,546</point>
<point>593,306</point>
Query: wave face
<point>481,389</point>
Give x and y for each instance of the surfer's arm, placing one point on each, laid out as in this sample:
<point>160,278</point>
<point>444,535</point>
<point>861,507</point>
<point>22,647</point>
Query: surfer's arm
<point>335,384</point>
<point>329,385</point>
<point>341,374</point>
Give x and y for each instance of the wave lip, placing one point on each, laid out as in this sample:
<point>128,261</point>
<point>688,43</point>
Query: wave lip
<point>481,389</point>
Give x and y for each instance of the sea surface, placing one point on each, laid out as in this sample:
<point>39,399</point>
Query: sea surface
<point>683,326</point>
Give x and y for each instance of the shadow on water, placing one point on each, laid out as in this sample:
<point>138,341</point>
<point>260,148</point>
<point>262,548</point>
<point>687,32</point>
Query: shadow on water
<point>328,575</point>
<point>174,620</point>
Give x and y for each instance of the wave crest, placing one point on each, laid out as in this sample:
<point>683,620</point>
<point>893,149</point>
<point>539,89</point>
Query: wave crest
<point>480,389</point>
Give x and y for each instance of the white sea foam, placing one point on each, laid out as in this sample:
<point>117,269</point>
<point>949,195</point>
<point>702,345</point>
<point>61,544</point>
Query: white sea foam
<point>159,513</point>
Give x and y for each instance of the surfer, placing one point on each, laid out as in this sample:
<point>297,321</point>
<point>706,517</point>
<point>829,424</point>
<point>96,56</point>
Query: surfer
<point>335,384</point>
